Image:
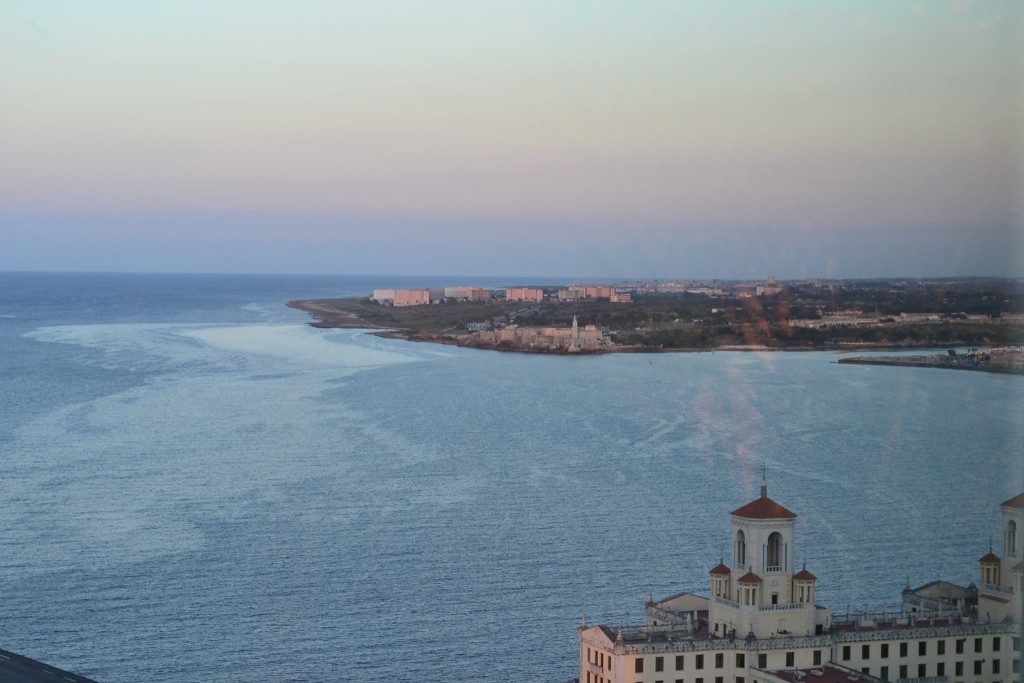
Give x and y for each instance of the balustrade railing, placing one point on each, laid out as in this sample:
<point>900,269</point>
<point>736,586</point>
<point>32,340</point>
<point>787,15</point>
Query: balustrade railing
<point>783,606</point>
<point>726,601</point>
<point>992,588</point>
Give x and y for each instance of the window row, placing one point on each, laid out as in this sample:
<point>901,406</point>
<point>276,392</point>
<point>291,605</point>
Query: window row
<point>939,671</point>
<point>698,661</point>
<point>680,662</point>
<point>922,648</point>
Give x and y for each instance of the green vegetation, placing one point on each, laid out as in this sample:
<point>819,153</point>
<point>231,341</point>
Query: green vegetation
<point>657,320</point>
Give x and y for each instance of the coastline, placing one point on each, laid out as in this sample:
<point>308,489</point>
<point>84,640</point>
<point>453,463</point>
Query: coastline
<point>328,317</point>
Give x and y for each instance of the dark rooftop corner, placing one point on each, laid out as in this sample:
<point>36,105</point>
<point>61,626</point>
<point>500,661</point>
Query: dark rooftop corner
<point>15,668</point>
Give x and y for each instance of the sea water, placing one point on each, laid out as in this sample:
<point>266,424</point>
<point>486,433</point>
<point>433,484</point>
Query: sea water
<point>198,486</point>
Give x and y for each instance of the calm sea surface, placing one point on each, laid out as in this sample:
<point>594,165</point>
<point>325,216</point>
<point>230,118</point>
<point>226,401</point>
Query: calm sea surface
<point>196,486</point>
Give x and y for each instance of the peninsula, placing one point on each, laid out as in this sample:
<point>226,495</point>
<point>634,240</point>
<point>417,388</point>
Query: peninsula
<point>693,315</point>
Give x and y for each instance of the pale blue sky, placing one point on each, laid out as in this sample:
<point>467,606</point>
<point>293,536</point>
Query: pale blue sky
<point>604,139</point>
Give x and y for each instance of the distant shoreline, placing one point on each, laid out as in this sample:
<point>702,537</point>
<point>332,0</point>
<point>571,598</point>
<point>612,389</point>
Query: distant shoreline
<point>339,314</point>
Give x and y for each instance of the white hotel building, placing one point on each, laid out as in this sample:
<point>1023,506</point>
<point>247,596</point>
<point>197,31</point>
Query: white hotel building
<point>761,624</point>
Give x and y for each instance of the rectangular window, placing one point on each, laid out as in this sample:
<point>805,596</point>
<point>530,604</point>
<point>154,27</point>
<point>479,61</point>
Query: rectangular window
<point>741,660</point>
<point>638,665</point>
<point>762,661</point>
<point>1016,643</point>
<point>903,670</point>
<point>865,652</point>
<point>866,670</point>
<point>977,644</point>
<point>846,653</point>
<point>995,644</point>
<point>700,664</point>
<point>659,663</point>
<point>942,647</point>
<point>885,673</point>
<point>922,648</point>
<point>940,669</point>
<point>679,662</point>
<point>719,660</point>
<point>977,668</point>
<point>790,658</point>
<point>959,668</point>
<point>679,680</point>
<point>903,652</point>
<point>995,666</point>
<point>885,651</point>
<point>699,680</point>
<point>921,669</point>
<point>817,657</point>
<point>740,679</point>
<point>960,647</point>
<point>1016,666</point>
<point>719,679</point>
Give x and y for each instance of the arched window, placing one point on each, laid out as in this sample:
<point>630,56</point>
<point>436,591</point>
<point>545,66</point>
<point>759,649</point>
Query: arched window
<point>1011,538</point>
<point>741,548</point>
<point>775,552</point>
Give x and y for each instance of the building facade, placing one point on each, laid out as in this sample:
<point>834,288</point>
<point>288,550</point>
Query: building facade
<point>761,624</point>
<point>531,294</point>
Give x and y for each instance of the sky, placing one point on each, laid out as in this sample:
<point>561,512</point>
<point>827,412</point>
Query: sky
<point>596,138</point>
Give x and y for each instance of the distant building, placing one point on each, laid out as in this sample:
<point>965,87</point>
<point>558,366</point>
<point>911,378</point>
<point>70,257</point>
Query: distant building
<point>762,624</point>
<point>572,339</point>
<point>571,294</point>
<point>524,294</point>
<point>467,293</point>
<point>769,288</point>
<point>407,297</point>
<point>411,297</point>
<point>599,292</point>
<point>578,292</point>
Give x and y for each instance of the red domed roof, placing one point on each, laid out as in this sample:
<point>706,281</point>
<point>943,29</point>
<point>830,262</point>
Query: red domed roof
<point>720,569</point>
<point>751,577</point>
<point>1015,502</point>
<point>763,508</point>
<point>804,575</point>
<point>991,558</point>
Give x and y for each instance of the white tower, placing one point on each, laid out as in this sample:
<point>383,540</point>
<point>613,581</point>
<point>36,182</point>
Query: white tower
<point>766,594</point>
<point>999,595</point>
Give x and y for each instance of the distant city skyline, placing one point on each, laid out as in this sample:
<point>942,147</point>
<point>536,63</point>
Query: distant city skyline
<point>589,140</point>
